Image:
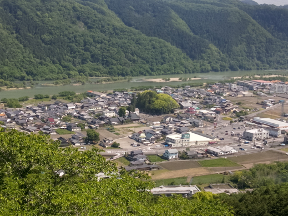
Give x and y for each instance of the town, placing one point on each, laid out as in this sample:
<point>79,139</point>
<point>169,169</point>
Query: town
<point>216,121</point>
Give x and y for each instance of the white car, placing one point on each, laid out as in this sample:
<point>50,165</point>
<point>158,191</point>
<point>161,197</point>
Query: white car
<point>252,147</point>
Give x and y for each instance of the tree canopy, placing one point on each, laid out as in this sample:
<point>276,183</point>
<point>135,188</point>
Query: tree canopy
<point>151,102</point>
<point>39,178</point>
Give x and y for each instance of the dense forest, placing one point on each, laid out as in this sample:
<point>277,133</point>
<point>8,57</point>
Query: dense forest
<point>61,39</point>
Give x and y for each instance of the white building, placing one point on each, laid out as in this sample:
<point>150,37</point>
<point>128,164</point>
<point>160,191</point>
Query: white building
<point>109,114</point>
<point>279,88</point>
<point>218,151</point>
<point>185,190</point>
<point>187,139</point>
<point>171,154</point>
<point>274,127</point>
<point>256,134</point>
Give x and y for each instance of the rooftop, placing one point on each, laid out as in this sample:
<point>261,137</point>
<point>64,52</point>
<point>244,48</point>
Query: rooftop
<point>182,189</point>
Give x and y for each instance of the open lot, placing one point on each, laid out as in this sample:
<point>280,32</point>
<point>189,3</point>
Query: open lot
<point>274,113</point>
<point>165,174</point>
<point>220,162</point>
<point>179,165</point>
<point>259,157</point>
<point>155,158</point>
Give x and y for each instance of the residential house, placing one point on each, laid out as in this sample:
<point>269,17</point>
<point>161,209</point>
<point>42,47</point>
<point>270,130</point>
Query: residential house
<point>171,154</point>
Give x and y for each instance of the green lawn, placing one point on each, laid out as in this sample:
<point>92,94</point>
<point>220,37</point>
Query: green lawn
<point>220,162</point>
<point>117,133</point>
<point>63,131</point>
<point>122,161</point>
<point>172,181</point>
<point>154,158</point>
<point>208,179</point>
<point>284,149</point>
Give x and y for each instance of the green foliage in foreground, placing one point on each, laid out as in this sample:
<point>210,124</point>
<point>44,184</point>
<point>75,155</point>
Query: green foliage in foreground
<point>261,175</point>
<point>269,200</point>
<point>220,162</point>
<point>151,102</point>
<point>30,185</point>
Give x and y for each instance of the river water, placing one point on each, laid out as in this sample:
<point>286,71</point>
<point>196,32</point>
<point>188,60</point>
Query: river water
<point>135,82</point>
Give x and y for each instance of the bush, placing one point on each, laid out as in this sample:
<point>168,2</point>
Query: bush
<point>115,145</point>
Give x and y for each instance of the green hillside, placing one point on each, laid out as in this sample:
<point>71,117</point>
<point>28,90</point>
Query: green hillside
<point>59,39</point>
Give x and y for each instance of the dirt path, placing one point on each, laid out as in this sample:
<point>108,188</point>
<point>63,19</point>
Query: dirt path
<point>127,125</point>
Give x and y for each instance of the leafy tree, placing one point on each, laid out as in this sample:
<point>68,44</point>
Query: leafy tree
<point>25,98</point>
<point>81,125</point>
<point>38,96</point>
<point>115,145</point>
<point>266,200</point>
<point>66,118</point>
<point>39,178</point>
<point>92,136</point>
<point>121,111</point>
<point>54,97</point>
<point>151,102</point>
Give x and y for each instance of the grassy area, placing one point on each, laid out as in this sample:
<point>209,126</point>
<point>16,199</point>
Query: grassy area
<point>208,179</point>
<point>172,181</point>
<point>63,131</point>
<point>220,162</point>
<point>284,149</point>
<point>122,161</point>
<point>155,158</point>
<point>117,133</point>
<point>227,118</point>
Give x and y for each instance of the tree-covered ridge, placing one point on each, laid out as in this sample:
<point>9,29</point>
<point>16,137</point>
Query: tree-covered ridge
<point>226,25</point>
<point>39,178</point>
<point>65,39</point>
<point>62,39</point>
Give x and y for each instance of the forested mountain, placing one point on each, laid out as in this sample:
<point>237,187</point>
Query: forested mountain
<point>61,39</point>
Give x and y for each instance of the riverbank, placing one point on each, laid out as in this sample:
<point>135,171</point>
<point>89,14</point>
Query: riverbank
<point>134,82</point>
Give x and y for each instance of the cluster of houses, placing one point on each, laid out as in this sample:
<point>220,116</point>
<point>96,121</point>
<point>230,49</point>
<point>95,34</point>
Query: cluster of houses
<point>49,117</point>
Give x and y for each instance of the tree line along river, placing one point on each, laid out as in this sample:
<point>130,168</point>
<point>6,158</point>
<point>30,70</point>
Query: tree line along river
<point>135,82</point>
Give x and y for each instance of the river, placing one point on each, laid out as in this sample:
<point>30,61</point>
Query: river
<point>135,82</point>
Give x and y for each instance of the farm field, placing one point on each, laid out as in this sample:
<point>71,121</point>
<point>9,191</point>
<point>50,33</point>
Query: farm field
<point>259,157</point>
<point>220,162</point>
<point>171,181</point>
<point>155,158</point>
<point>208,179</point>
<point>179,165</point>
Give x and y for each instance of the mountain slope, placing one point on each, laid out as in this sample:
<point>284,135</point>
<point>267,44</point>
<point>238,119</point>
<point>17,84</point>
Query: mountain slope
<point>224,24</point>
<point>59,39</point>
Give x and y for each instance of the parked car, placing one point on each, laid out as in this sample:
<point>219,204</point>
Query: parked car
<point>282,144</point>
<point>252,147</point>
<point>242,149</point>
<point>246,142</point>
<point>221,138</point>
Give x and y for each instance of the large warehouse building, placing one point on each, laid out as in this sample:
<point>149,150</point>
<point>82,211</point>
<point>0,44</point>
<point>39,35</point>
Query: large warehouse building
<point>275,127</point>
<point>188,139</point>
